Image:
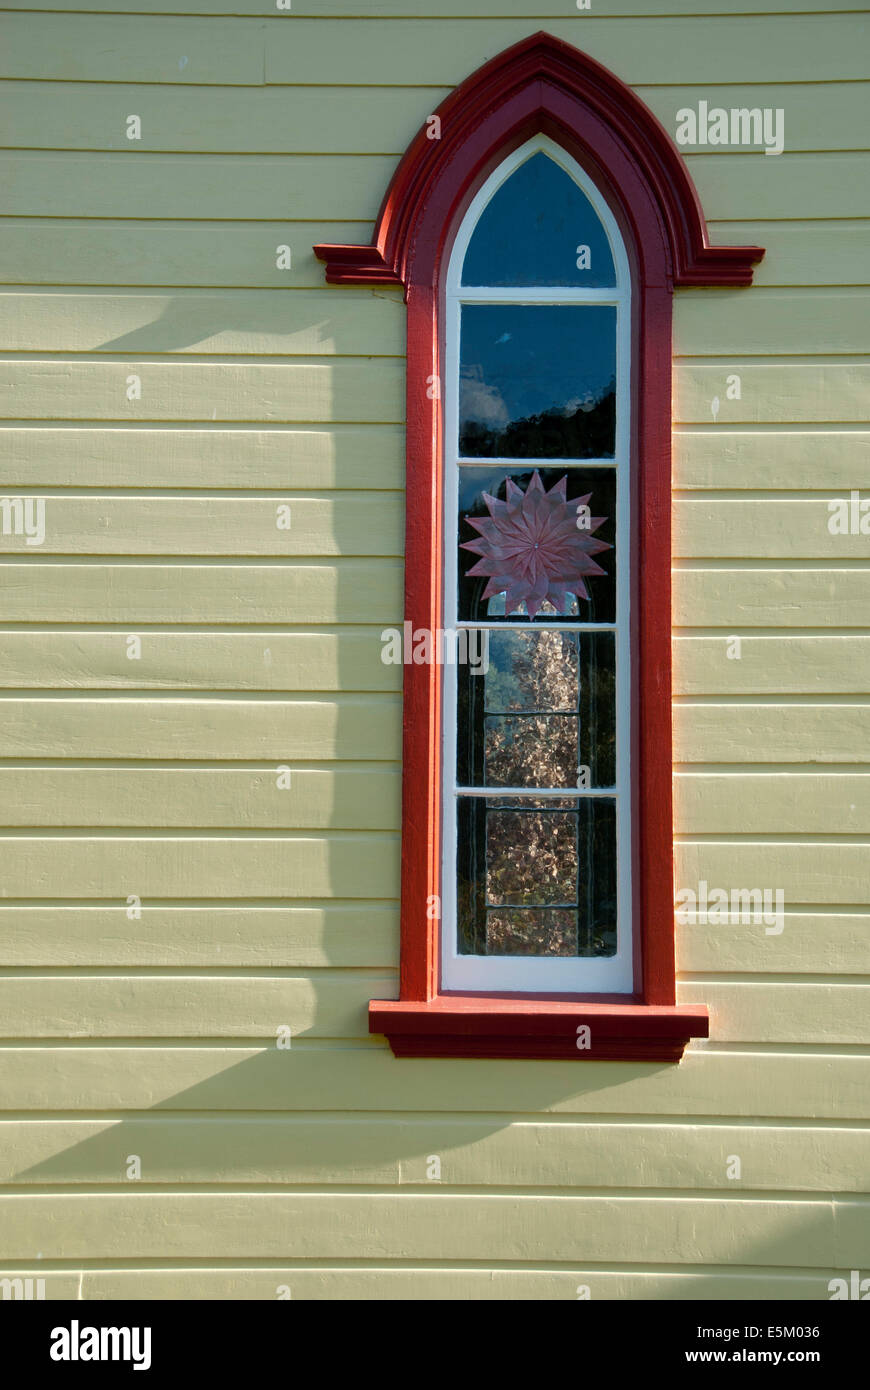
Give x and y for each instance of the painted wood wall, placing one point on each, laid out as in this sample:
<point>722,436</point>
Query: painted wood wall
<point>265,908</point>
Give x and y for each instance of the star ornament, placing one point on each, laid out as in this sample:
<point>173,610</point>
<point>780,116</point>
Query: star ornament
<point>534,548</point>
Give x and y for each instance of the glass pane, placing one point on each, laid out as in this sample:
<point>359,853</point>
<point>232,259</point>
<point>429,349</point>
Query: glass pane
<point>537,381</point>
<point>537,544</point>
<point>531,671</point>
<point>564,686</point>
<point>531,932</point>
<point>531,751</point>
<point>539,228</point>
<point>531,857</point>
<point>536,882</point>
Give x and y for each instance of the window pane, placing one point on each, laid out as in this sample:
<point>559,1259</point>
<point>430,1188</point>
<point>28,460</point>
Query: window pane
<point>537,381</point>
<point>531,932</point>
<point>531,751</point>
<point>539,228</point>
<point>543,715</point>
<point>531,547</point>
<point>531,671</point>
<point>531,857</point>
<point>536,882</point>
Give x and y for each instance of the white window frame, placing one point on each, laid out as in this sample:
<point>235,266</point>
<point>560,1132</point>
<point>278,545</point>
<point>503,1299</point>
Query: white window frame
<point>526,974</point>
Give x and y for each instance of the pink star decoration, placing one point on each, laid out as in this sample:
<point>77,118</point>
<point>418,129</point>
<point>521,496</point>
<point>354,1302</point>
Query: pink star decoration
<point>533,548</point>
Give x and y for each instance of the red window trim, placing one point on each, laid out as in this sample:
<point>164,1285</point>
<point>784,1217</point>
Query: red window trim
<point>543,85</point>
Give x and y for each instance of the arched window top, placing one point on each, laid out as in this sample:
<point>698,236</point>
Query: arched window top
<point>539,221</point>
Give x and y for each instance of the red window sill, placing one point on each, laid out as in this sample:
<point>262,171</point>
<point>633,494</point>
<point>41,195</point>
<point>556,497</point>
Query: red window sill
<point>462,1025</point>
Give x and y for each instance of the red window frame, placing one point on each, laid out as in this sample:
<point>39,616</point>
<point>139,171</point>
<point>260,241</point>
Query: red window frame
<point>543,85</point>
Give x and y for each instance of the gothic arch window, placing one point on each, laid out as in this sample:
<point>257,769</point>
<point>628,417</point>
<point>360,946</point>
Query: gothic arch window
<point>539,238</point>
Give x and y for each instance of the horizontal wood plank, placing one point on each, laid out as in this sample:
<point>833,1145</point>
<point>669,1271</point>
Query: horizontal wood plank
<point>737,1083</point>
<point>393,1151</point>
<point>358,590</point>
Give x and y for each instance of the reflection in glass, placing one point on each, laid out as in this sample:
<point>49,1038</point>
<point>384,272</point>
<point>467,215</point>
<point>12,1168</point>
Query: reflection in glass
<point>539,228</point>
<point>544,715</point>
<point>531,671</point>
<point>531,751</point>
<point>537,381</point>
<point>518,868</point>
<point>531,932</point>
<point>531,857</point>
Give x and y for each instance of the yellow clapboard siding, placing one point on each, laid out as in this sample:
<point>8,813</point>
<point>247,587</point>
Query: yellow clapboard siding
<point>793,320</point>
<point>353,934</point>
<point>781,597</point>
<point>329,322</point>
<point>810,943</point>
<point>126,48</point>
<point>368,727</point>
<point>363,865</point>
<point>331,1005</point>
<point>802,254</point>
<point>250,119</point>
<point>473,1153</point>
<point>273,188</point>
<point>342,456</point>
<point>356,726</point>
<point>710,458</point>
<point>798,733</point>
<point>365,120</point>
<point>749,1084</point>
<point>779,393</point>
<point>348,389</point>
<point>460,1285</point>
<point>808,48</point>
<point>359,590</point>
<point>344,188</point>
<point>190,255</point>
<point>370,590</point>
<point>403,1282</point>
<point>781,1013</point>
<point>299,50</point>
<point>434,1226</point>
<point>362,933</point>
<point>335,1005</point>
<point>407,1281</point>
<point>784,528</point>
<point>347,659</point>
<point>355,389</point>
<point>352,659</point>
<point>312,320</point>
<point>766,665</point>
<point>351,523</point>
<point>390,9</point>
<point>740,187</point>
<point>772,803</point>
<point>806,872</point>
<point>363,798</point>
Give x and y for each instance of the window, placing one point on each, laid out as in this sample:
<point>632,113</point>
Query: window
<point>537,841</point>
<point>536,886</point>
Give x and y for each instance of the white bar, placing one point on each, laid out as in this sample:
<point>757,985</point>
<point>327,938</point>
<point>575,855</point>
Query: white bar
<point>462,461</point>
<point>536,294</point>
<point>610,792</point>
<point>532,625</point>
